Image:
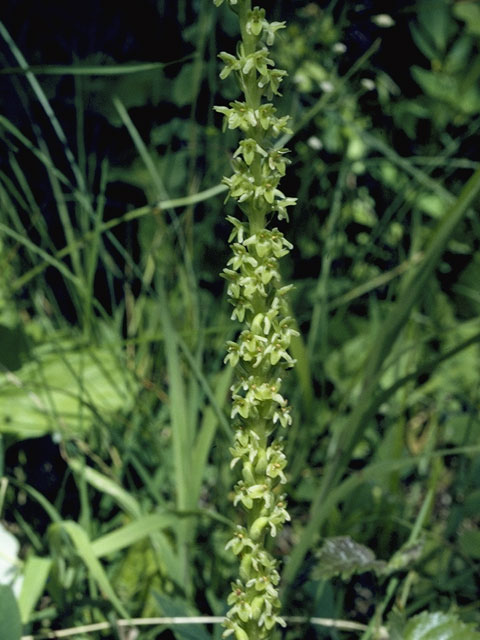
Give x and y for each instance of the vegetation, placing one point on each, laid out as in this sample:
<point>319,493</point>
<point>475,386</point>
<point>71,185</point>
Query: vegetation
<point>116,497</point>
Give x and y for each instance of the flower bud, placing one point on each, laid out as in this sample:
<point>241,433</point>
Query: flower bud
<point>262,462</point>
<point>257,527</point>
<point>257,607</point>
<point>240,634</point>
<point>246,566</point>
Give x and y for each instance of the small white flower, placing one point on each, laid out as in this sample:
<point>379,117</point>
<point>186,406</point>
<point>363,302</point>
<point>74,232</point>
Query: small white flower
<point>327,86</point>
<point>368,84</point>
<point>383,20</point>
<point>339,47</point>
<point>315,143</point>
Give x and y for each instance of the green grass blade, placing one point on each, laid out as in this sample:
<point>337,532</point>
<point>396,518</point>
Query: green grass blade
<point>157,181</point>
<point>372,472</point>
<point>108,486</point>
<point>216,400</point>
<point>10,622</point>
<point>141,148</point>
<point>48,259</point>
<point>64,215</point>
<point>424,368</point>
<point>85,551</point>
<point>182,436</point>
<point>42,98</point>
<point>319,321</point>
<point>35,576</point>
<point>24,197</point>
<point>375,283</point>
<point>212,415</point>
<point>407,165</point>
<point>92,70</point>
<point>416,279</point>
<point>92,254</point>
<point>302,368</point>
<point>175,203</point>
<point>128,503</point>
<point>40,155</point>
<point>412,292</point>
<point>131,533</point>
<point>47,506</point>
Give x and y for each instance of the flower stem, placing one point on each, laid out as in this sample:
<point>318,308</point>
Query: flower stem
<point>260,353</point>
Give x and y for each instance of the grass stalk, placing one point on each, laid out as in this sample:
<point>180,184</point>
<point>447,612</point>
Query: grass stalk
<point>412,292</point>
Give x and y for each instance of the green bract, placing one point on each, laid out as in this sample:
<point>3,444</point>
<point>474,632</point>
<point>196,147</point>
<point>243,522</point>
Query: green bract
<point>260,354</point>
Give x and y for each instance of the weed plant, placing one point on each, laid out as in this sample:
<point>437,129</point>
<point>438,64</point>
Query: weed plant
<point>115,490</point>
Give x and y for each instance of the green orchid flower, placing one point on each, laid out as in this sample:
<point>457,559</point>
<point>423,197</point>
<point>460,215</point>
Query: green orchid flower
<point>260,353</point>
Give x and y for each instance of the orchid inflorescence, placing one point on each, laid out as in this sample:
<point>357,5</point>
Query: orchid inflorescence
<point>260,353</point>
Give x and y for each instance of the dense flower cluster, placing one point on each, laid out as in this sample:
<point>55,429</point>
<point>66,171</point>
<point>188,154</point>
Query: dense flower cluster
<point>260,354</point>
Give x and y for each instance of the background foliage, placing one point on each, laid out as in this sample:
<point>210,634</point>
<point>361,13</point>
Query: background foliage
<point>114,492</point>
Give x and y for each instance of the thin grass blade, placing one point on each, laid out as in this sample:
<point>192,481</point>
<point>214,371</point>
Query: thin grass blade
<point>85,551</point>
<point>35,577</point>
<point>412,292</point>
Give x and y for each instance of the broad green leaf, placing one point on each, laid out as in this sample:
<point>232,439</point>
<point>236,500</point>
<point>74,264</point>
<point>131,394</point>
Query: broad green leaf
<point>63,391</point>
<point>433,16</point>
<point>184,86</point>
<point>437,626</point>
<point>34,580</point>
<point>138,557</point>
<point>10,623</point>
<point>469,541</point>
<point>138,574</point>
<point>459,55</point>
<point>13,344</point>
<point>345,557</point>
<point>422,41</point>
<point>405,556</point>
<point>469,12</point>
<point>434,84</point>
<point>179,608</point>
<point>396,623</point>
